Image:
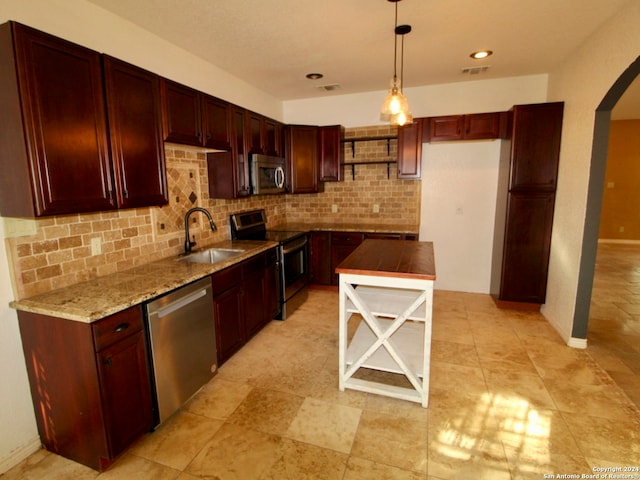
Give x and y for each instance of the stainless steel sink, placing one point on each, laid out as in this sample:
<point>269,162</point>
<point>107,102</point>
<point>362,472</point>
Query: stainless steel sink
<point>211,255</point>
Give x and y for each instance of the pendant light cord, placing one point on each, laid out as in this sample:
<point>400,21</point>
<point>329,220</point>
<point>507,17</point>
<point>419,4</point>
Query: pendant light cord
<point>395,47</point>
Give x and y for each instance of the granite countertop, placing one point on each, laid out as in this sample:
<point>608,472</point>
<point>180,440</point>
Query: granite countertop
<point>346,227</point>
<point>95,299</point>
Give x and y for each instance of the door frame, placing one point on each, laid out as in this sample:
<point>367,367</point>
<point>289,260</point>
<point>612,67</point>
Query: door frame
<point>597,170</point>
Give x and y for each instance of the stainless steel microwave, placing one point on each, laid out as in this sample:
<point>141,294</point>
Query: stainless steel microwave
<point>267,174</point>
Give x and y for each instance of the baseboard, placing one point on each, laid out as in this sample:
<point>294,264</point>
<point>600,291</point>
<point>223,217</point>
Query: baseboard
<point>509,305</point>
<point>577,343</point>
<point>19,454</point>
<point>620,242</point>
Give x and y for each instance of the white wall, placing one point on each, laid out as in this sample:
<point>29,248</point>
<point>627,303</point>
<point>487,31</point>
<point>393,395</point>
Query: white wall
<point>472,96</point>
<point>19,434</point>
<point>582,82</point>
<point>459,184</point>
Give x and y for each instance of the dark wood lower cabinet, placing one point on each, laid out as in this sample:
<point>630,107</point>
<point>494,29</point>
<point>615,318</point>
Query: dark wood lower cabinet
<point>90,384</point>
<point>527,244</point>
<point>328,249</point>
<point>244,301</point>
<point>342,244</point>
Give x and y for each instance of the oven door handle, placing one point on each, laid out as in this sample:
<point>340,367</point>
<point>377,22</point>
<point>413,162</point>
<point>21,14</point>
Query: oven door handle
<point>294,245</point>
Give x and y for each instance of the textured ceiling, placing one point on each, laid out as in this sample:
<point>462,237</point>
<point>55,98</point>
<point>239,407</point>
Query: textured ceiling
<point>273,44</point>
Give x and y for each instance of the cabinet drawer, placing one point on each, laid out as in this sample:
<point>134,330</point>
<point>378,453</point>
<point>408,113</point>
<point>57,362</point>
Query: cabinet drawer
<point>346,238</point>
<point>225,279</point>
<point>253,265</point>
<point>116,327</point>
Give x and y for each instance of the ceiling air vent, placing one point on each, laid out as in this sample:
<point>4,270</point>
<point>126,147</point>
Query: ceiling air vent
<point>474,70</point>
<point>329,88</point>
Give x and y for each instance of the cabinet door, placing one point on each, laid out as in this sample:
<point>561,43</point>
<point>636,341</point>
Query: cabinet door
<point>331,153</point>
<point>535,144</point>
<point>480,126</point>
<point>126,391</point>
<point>320,258</point>
<point>241,154</point>
<point>133,102</point>
<point>181,116</point>
<point>446,128</point>
<point>273,138</point>
<point>302,158</point>
<point>254,132</point>
<point>227,309</point>
<point>410,150</point>
<point>526,247</point>
<point>64,117</point>
<point>342,245</point>
<point>253,281</point>
<point>216,123</point>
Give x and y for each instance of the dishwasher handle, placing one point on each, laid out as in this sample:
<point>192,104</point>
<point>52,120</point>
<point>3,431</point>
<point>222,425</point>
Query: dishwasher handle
<point>178,304</point>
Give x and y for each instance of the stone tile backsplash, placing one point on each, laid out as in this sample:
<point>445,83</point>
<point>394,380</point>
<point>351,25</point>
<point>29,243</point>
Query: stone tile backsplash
<point>60,252</point>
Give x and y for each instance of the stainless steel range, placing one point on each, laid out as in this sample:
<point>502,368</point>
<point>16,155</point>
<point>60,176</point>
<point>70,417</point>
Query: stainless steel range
<point>293,256</point>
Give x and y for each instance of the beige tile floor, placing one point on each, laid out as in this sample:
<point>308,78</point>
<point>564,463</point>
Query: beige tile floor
<point>508,400</point>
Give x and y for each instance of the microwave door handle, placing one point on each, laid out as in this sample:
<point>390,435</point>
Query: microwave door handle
<point>279,177</point>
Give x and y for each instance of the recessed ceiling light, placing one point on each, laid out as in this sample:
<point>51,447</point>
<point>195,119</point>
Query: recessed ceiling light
<point>481,54</point>
<point>314,76</point>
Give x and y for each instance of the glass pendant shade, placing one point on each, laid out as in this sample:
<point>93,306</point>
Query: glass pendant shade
<point>395,108</point>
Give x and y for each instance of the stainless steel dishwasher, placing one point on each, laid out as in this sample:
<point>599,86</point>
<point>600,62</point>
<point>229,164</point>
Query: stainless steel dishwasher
<point>183,344</point>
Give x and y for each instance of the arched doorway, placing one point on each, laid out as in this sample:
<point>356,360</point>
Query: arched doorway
<point>594,198</point>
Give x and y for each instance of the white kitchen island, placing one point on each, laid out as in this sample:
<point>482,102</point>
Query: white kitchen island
<point>387,285</point>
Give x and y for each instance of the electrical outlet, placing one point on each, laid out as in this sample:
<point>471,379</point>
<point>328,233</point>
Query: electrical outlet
<point>621,229</point>
<point>96,246</point>
<point>334,208</point>
<point>376,208</point>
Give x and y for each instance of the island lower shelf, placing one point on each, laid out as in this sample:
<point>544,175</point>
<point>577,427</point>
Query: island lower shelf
<point>394,311</point>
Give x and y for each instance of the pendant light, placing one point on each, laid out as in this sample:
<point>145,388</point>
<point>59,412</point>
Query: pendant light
<point>395,108</point>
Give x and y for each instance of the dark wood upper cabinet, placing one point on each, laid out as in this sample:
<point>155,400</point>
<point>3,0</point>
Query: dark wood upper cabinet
<point>216,123</point>
<point>254,132</point>
<point>301,144</point>
<point>241,153</point>
<point>479,126</point>
<point>133,103</point>
<point>410,150</point>
<point>181,119</point>
<point>191,117</point>
<point>228,172</point>
<point>273,133</point>
<point>475,126</point>
<point>444,128</point>
<point>538,151</point>
<point>264,135</point>
<point>54,133</point>
<point>331,153</point>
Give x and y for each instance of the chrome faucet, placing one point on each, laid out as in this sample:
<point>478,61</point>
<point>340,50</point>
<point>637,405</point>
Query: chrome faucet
<point>188,244</point>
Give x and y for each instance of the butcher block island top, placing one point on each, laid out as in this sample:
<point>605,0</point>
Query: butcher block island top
<point>391,258</point>
<point>386,288</point>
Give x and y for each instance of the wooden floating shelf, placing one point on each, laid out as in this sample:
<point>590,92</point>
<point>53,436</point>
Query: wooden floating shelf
<point>377,162</point>
<point>353,141</point>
